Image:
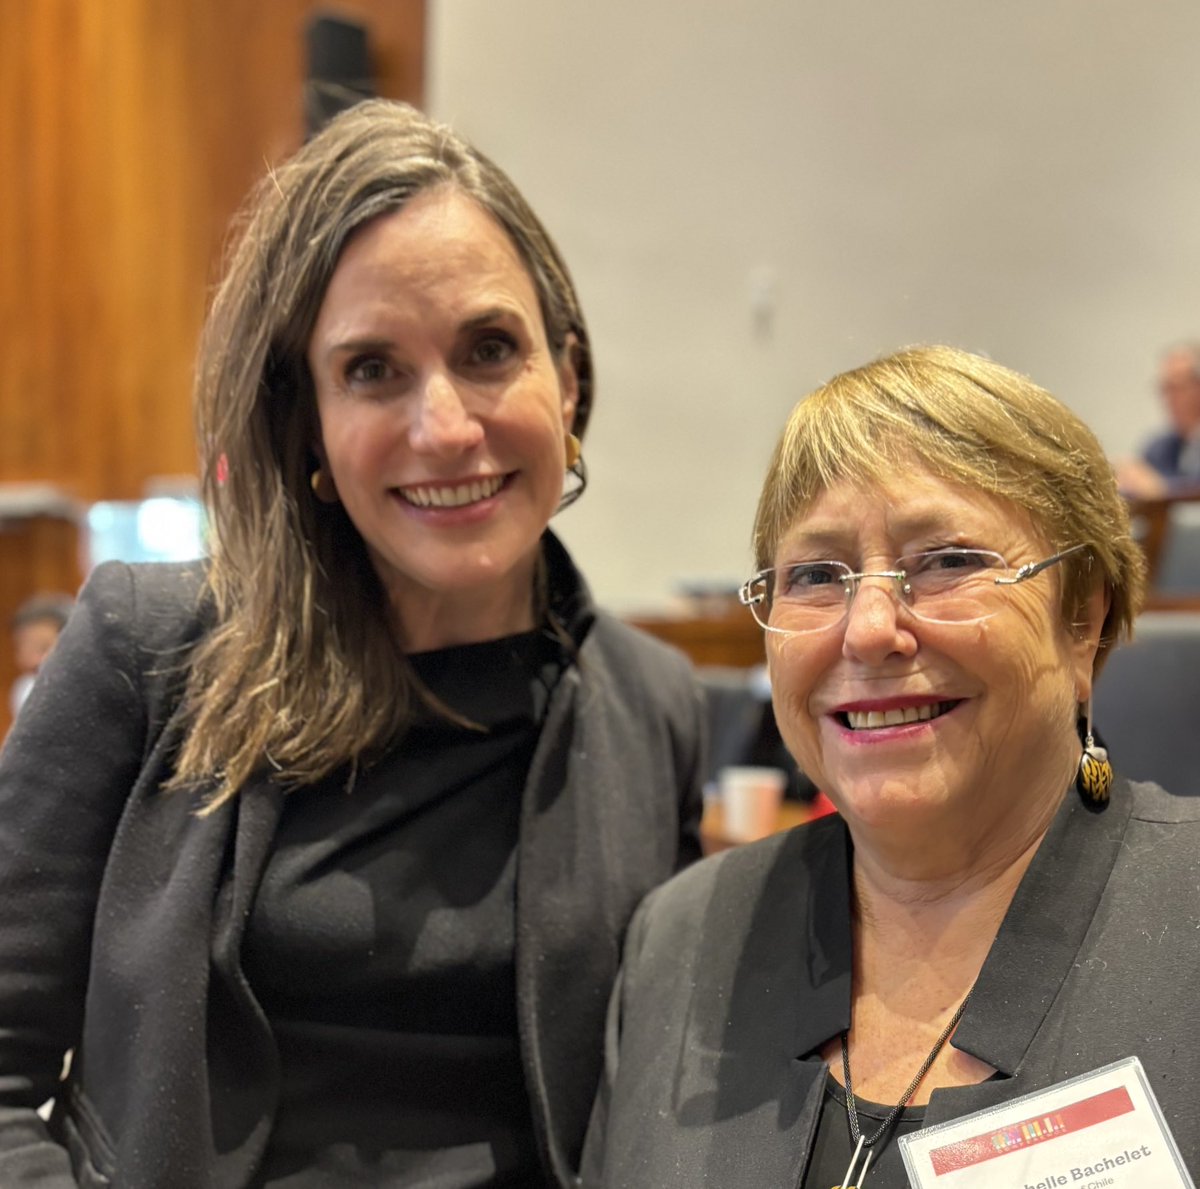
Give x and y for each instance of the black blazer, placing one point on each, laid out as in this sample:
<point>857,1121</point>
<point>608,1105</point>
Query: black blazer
<point>122,911</point>
<point>738,971</point>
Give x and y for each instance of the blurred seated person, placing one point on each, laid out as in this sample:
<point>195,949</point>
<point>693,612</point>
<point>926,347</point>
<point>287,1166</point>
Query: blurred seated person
<point>35,627</point>
<point>743,731</point>
<point>1170,463</point>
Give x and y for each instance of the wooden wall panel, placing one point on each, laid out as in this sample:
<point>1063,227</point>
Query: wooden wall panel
<point>129,132</point>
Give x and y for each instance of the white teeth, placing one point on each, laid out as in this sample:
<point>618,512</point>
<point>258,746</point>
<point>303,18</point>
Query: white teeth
<point>865,720</point>
<point>453,497</point>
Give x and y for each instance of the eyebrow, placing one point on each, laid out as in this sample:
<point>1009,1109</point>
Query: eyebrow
<point>371,343</point>
<point>826,539</point>
<point>354,346</point>
<point>914,525</point>
<point>498,313</point>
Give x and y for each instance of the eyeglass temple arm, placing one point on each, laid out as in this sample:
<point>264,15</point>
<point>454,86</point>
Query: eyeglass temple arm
<point>745,595</point>
<point>1030,569</point>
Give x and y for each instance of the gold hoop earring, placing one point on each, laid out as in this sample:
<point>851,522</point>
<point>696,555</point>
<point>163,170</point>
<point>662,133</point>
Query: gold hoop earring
<point>322,486</point>
<point>574,450</point>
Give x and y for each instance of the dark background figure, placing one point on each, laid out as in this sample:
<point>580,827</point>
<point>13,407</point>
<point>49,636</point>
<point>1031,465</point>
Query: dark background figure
<point>35,627</point>
<point>743,731</point>
<point>1170,462</point>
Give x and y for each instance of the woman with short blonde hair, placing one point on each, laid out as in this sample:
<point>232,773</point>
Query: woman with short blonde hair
<point>943,564</point>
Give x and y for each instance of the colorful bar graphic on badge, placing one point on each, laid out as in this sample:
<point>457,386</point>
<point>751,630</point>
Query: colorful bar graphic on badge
<point>1018,1137</point>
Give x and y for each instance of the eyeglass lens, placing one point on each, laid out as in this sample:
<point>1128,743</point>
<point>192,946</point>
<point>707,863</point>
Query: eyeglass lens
<point>944,586</point>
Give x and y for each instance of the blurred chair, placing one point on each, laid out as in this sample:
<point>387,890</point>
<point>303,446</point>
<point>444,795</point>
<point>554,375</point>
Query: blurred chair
<point>1146,702</point>
<point>1179,562</point>
<point>742,728</point>
<point>743,732</point>
<point>1168,531</point>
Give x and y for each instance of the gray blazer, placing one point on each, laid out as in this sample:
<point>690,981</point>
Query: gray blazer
<point>738,970</point>
<point>122,911</point>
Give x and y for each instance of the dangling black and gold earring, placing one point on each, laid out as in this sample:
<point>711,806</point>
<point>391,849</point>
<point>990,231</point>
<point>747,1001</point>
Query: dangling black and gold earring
<point>1095,772</point>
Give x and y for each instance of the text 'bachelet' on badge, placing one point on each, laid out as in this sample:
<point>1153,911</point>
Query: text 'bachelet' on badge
<point>1102,1130</point>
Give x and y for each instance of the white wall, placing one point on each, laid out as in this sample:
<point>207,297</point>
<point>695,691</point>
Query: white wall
<point>1019,178</point>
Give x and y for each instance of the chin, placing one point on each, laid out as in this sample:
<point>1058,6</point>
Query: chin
<point>889,799</point>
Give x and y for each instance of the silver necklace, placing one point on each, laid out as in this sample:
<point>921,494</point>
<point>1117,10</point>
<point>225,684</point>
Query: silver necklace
<point>884,1129</point>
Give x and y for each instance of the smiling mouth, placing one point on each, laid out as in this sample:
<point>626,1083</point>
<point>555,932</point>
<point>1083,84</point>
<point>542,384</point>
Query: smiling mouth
<point>457,495</point>
<point>871,720</point>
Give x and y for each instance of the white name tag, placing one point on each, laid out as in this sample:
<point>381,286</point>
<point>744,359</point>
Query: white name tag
<point>1102,1130</point>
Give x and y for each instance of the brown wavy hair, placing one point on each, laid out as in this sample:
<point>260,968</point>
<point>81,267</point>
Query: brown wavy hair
<point>301,673</point>
<point>977,424</point>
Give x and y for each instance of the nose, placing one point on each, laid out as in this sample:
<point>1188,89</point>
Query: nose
<point>442,425</point>
<point>878,624</point>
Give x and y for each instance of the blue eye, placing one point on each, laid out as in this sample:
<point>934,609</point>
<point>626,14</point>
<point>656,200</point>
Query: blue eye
<point>942,561</point>
<point>948,571</point>
<point>808,578</point>
<point>951,559</point>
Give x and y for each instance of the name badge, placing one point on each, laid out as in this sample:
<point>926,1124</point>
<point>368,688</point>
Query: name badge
<point>1102,1130</point>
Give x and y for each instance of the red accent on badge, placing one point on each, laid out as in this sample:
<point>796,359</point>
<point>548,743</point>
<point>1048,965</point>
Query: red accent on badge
<point>1019,1137</point>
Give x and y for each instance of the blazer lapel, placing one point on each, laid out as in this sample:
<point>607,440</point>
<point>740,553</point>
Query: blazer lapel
<point>243,1060</point>
<point>789,993</point>
<point>592,843</point>
<point>1035,949</point>
<point>552,963</point>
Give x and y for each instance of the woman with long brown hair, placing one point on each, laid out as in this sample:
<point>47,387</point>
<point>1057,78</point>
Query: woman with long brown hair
<point>318,855</point>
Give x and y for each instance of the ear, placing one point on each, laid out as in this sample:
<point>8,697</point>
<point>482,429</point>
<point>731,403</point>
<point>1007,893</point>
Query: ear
<point>1086,640</point>
<point>568,381</point>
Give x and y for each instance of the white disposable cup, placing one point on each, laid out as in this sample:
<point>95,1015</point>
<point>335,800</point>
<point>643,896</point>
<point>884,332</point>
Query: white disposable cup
<point>750,799</point>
